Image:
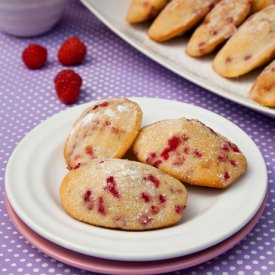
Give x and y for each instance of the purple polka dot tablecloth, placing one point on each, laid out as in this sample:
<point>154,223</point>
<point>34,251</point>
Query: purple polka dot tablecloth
<point>113,69</point>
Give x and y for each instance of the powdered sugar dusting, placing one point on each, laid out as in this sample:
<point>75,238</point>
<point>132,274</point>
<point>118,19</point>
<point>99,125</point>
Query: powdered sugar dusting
<point>110,113</point>
<point>123,108</point>
<point>174,5</point>
<point>87,118</point>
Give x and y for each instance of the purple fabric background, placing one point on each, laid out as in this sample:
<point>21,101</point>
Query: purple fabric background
<point>113,68</point>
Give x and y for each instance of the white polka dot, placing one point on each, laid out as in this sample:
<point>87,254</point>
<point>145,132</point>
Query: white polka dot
<point>239,262</point>
<point>255,262</point>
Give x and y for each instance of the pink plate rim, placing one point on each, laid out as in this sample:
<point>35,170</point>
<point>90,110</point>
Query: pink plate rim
<point>99,265</point>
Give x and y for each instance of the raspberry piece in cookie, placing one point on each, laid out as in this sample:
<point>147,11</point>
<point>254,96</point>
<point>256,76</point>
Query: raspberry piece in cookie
<point>106,129</point>
<point>178,17</point>
<point>263,90</point>
<point>123,194</point>
<point>190,151</point>
<point>219,25</point>
<point>142,10</point>
<point>251,46</point>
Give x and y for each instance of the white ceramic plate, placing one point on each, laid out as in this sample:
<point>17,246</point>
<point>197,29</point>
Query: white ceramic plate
<point>36,168</point>
<point>172,55</point>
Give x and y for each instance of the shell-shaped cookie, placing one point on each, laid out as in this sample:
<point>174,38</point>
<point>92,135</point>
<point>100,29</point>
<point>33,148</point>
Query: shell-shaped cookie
<point>106,129</point>
<point>190,151</point>
<point>142,10</point>
<point>251,46</point>
<point>261,4</point>
<point>118,193</point>
<point>263,90</point>
<point>178,17</point>
<point>219,25</point>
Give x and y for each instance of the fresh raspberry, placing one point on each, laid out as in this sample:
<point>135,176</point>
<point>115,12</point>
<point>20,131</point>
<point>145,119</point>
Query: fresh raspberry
<point>67,86</point>
<point>72,52</point>
<point>34,56</point>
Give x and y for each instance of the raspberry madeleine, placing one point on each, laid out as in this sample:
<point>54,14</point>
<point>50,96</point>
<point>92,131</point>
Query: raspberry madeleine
<point>263,90</point>
<point>143,10</point>
<point>219,25</point>
<point>191,152</point>
<point>251,46</point>
<point>118,193</point>
<point>106,129</point>
<point>178,17</point>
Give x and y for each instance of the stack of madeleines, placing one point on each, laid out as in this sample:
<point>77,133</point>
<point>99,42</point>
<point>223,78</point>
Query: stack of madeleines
<point>241,31</point>
<point>104,190</point>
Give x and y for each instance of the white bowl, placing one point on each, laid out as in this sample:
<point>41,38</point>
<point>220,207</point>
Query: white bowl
<point>30,17</point>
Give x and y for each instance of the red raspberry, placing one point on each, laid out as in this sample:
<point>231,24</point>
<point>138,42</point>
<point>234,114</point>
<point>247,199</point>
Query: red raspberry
<point>34,56</point>
<point>72,52</point>
<point>67,86</point>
